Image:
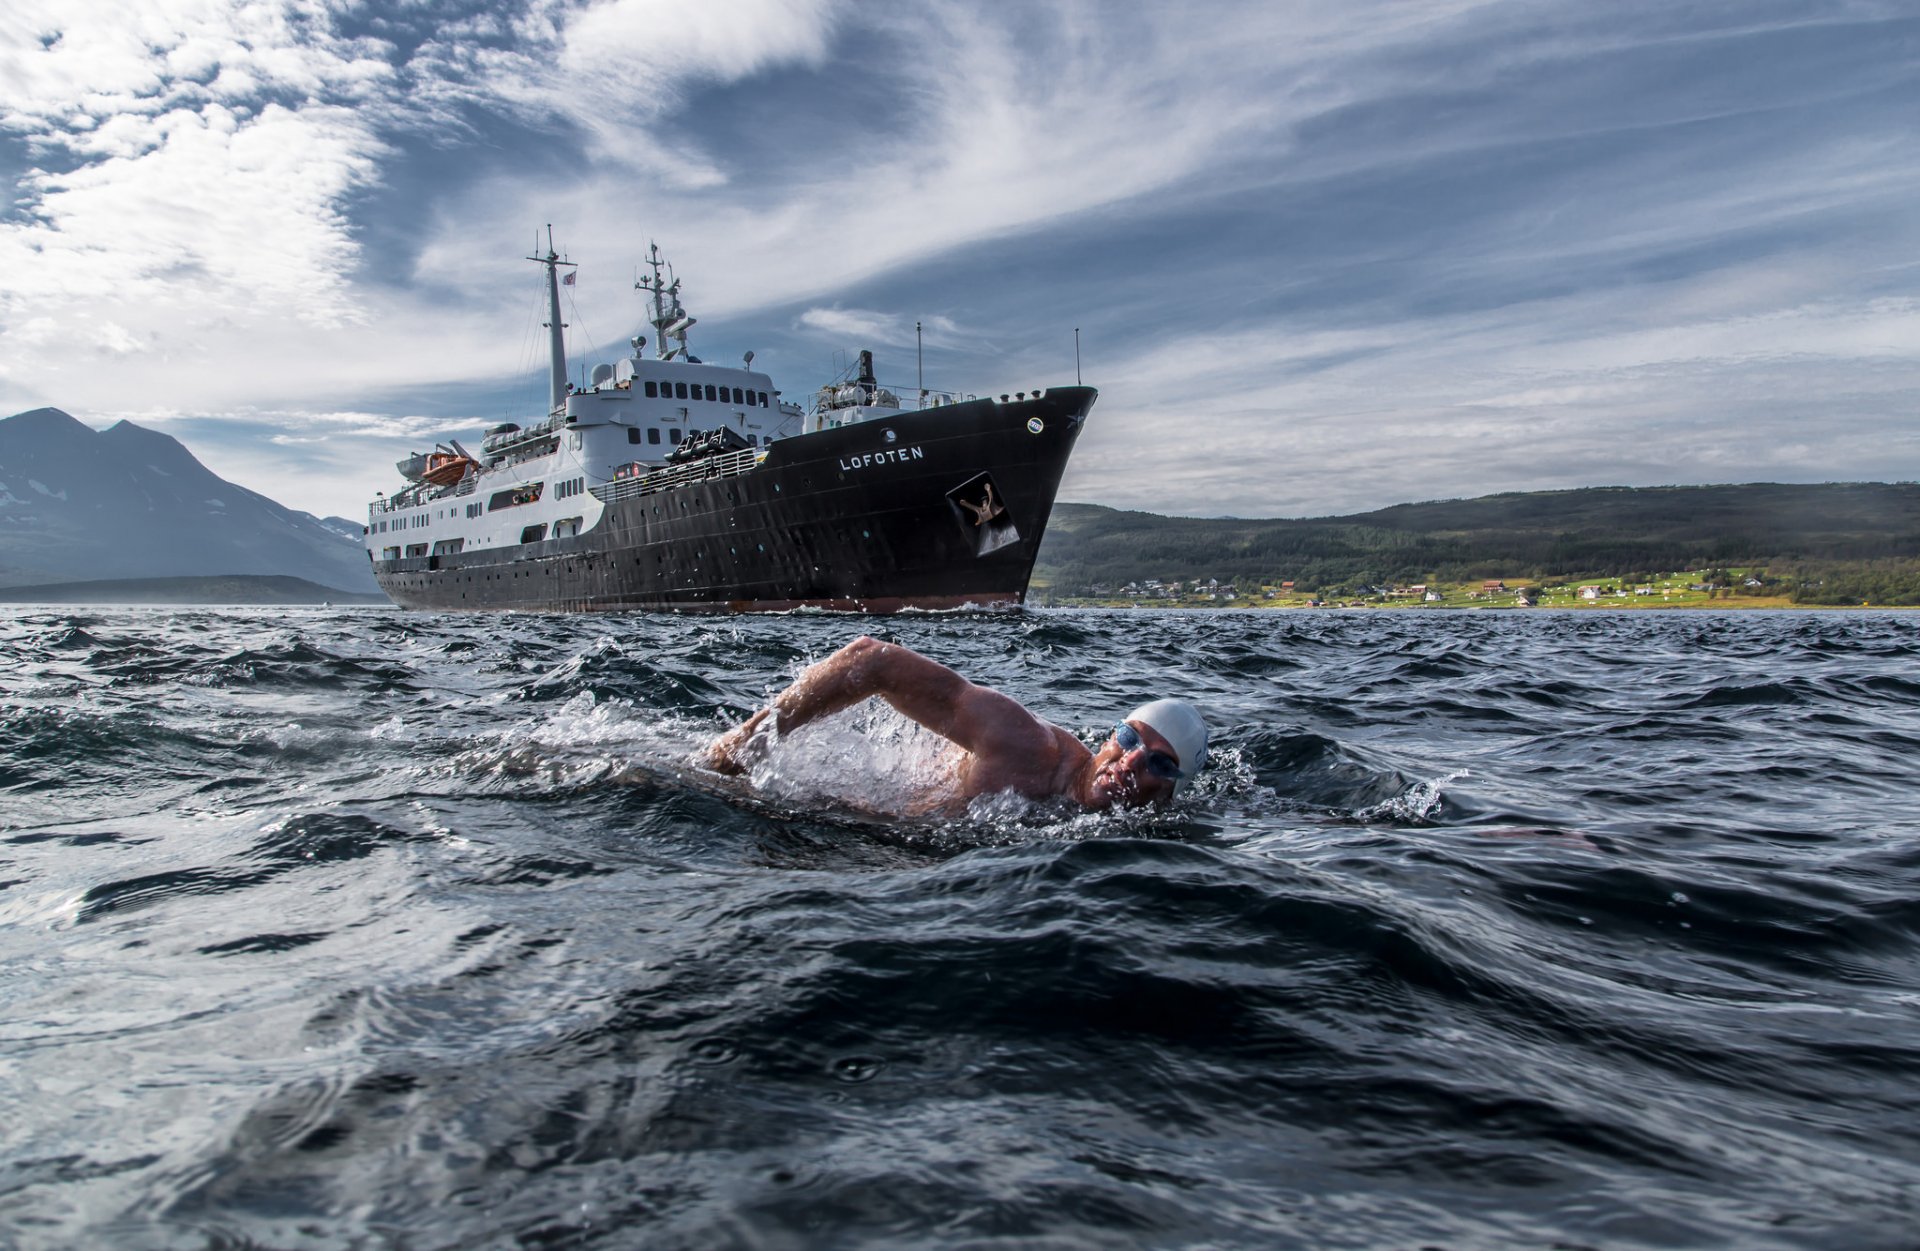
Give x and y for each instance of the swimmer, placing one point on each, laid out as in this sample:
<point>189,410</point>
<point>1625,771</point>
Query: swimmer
<point>1151,753</point>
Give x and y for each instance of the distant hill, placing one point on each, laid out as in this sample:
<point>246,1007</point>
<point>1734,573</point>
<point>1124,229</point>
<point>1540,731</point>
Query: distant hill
<point>1600,531</point>
<point>126,502</point>
<point>351,531</point>
<point>230,589</point>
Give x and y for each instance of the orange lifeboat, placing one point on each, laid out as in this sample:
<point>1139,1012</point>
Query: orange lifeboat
<point>447,468</point>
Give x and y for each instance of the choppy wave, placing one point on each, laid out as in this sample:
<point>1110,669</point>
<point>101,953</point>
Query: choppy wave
<point>364,929</point>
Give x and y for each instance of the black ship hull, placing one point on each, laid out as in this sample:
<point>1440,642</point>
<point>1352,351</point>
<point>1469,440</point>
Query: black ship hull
<point>935,509</point>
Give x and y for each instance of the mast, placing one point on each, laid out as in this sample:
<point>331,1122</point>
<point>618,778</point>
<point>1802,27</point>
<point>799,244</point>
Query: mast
<point>670,320</point>
<point>556,339</point>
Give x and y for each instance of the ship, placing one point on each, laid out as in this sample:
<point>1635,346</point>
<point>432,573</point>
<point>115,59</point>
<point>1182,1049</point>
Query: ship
<point>664,483</point>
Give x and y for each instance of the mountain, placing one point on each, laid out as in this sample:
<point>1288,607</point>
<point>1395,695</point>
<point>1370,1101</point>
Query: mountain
<point>351,531</point>
<point>224,589</point>
<point>1599,531</point>
<point>126,502</point>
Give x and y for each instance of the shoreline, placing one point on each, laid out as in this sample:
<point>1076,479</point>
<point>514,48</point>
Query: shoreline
<point>1728,605</point>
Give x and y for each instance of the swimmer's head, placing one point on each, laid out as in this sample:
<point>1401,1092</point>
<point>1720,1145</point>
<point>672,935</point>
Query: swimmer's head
<point>1178,722</point>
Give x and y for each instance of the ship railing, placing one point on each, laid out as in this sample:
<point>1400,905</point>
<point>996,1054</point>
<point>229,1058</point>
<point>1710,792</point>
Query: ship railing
<point>930,398</point>
<point>404,498</point>
<point>527,451</point>
<point>420,493</point>
<point>725,465</point>
<point>906,401</point>
<point>503,443</point>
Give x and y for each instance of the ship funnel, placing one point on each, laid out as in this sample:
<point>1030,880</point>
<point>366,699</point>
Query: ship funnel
<point>866,378</point>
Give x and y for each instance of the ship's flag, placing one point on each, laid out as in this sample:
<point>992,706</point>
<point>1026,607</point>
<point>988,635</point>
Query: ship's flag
<point>571,275</point>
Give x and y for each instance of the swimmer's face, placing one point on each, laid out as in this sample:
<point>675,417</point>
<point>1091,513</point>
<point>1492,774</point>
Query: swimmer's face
<point>1125,775</point>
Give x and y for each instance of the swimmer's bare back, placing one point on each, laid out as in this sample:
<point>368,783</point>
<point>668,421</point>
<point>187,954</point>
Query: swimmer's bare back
<point>1006,747</point>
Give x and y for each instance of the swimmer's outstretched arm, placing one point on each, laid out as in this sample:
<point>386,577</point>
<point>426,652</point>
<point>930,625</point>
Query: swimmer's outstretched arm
<point>924,690</point>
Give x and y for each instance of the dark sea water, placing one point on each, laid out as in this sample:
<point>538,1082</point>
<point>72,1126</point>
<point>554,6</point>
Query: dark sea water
<point>378,930</point>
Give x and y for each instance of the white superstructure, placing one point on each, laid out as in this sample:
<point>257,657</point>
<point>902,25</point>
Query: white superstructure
<point>532,484</point>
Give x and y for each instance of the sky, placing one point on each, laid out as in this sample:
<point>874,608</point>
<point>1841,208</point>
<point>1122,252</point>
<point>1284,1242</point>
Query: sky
<point>1319,257</point>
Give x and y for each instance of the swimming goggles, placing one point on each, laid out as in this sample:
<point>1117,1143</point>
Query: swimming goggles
<point>1159,763</point>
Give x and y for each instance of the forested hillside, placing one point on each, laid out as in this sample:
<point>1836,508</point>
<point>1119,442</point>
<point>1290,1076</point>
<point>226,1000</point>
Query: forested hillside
<point>1832,543</point>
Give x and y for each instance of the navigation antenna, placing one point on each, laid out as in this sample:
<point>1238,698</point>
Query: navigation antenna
<point>670,320</point>
<point>556,336</point>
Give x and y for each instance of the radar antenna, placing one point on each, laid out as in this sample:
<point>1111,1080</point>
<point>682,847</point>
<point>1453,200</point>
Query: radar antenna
<point>670,320</point>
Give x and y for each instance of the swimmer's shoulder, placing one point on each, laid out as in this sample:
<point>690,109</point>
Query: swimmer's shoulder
<point>1068,744</point>
<point>1049,772</point>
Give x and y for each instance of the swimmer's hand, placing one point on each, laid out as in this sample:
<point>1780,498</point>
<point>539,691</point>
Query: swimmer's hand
<point>734,752</point>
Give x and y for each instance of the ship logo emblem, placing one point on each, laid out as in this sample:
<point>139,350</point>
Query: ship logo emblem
<point>1035,425</point>
<point>982,515</point>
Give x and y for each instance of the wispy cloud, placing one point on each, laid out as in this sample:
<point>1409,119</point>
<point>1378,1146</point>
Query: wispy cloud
<point>1326,254</point>
<point>1550,393</point>
<point>839,326</point>
<point>192,157</point>
<point>1012,124</point>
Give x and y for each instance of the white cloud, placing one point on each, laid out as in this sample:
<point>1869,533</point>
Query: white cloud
<point>642,54</point>
<point>185,233</point>
<point>194,163</point>
<point>1543,394</point>
<point>208,152</point>
<point>1014,123</point>
<point>116,338</point>
<point>840,326</point>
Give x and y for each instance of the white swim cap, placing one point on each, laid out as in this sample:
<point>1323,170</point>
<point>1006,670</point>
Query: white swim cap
<point>1179,723</point>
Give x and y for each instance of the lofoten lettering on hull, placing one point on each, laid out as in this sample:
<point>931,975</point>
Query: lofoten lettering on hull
<point>892,456</point>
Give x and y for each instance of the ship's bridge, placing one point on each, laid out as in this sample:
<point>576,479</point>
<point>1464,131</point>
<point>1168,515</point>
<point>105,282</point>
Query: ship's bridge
<point>660,403</point>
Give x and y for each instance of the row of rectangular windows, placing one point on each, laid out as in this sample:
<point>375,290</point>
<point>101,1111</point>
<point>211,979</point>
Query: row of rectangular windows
<point>719,395</point>
<point>566,527</point>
